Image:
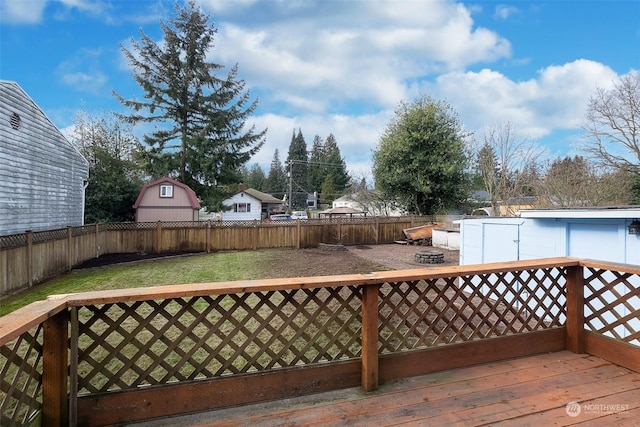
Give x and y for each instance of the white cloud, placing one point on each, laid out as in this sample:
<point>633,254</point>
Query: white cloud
<point>83,73</point>
<point>503,12</point>
<point>22,12</point>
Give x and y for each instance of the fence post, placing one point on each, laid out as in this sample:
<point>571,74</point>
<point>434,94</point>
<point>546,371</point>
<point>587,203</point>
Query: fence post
<point>29,257</point>
<point>54,370</point>
<point>159,236</point>
<point>369,373</point>
<point>575,309</point>
<point>299,231</point>
<point>208,235</point>
<point>69,249</point>
<point>97,240</point>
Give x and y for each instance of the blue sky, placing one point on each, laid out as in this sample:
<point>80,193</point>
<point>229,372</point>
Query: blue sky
<point>342,67</point>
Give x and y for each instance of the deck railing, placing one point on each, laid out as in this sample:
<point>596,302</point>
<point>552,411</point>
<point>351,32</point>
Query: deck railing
<point>110,357</point>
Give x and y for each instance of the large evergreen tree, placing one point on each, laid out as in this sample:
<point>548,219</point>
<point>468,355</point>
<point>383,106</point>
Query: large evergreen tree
<point>200,135</point>
<point>297,165</point>
<point>254,177</point>
<point>317,170</point>
<point>421,158</point>
<point>336,166</point>
<point>276,183</point>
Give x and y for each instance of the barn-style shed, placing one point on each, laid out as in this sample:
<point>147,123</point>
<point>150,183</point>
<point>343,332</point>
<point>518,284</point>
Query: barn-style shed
<point>43,175</point>
<point>166,199</point>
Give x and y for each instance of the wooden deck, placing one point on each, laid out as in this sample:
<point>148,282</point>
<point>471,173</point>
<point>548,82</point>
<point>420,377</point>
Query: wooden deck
<point>530,391</point>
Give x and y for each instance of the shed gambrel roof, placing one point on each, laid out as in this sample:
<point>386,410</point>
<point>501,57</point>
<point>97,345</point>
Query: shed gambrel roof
<point>193,198</point>
<point>263,197</point>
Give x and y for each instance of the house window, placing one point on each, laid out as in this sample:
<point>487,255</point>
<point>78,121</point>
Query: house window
<point>166,191</point>
<point>242,207</point>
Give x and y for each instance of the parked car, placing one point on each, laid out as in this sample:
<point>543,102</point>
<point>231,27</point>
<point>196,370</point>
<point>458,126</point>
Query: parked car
<point>280,217</point>
<point>299,215</point>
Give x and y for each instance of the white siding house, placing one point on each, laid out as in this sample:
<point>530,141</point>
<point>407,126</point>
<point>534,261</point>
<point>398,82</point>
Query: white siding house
<point>43,175</point>
<point>250,204</point>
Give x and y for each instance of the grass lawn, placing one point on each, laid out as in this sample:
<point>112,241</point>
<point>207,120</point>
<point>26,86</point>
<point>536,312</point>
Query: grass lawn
<point>215,267</point>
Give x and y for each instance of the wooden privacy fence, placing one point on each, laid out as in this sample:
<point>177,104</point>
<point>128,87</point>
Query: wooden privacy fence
<point>112,357</point>
<point>33,257</point>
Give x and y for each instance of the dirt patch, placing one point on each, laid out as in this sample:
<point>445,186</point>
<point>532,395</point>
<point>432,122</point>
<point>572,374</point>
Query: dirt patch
<point>358,259</point>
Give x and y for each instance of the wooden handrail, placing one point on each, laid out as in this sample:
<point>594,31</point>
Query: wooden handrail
<point>54,315</point>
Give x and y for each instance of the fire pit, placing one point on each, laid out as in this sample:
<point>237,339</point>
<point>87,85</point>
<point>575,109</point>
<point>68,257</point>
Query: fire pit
<point>430,257</point>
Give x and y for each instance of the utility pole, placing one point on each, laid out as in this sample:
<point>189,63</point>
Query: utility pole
<point>290,183</point>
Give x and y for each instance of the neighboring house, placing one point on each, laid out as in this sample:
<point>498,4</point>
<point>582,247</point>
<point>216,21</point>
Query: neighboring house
<point>511,207</point>
<point>367,201</point>
<point>250,204</point>
<point>342,211</point>
<point>598,233</point>
<point>43,175</point>
<point>166,199</point>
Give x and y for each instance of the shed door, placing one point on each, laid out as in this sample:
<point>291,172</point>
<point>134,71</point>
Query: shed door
<point>500,242</point>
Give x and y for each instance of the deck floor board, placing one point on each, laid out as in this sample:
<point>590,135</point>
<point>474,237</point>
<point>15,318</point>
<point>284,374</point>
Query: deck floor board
<point>532,391</point>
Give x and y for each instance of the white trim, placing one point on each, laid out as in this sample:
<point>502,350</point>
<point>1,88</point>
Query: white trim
<point>590,213</point>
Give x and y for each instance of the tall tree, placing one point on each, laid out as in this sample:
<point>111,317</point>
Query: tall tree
<point>114,176</point>
<point>421,158</point>
<point>505,162</point>
<point>201,138</point>
<point>254,177</point>
<point>297,165</point>
<point>336,166</point>
<point>574,182</point>
<point>317,170</point>
<point>612,125</point>
<point>276,183</point>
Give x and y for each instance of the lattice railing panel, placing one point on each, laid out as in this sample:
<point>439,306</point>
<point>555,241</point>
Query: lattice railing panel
<point>457,309</point>
<point>21,378</point>
<point>612,304</point>
<point>128,345</point>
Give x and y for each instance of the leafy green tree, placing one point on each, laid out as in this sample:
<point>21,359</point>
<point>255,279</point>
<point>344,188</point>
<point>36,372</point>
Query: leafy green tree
<point>114,177</point>
<point>297,165</point>
<point>276,183</point>
<point>200,118</point>
<point>421,158</point>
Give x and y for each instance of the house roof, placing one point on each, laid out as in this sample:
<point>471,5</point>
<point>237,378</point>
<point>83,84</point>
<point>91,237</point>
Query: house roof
<point>343,210</point>
<point>586,212</point>
<point>10,85</point>
<point>191,195</point>
<point>263,197</point>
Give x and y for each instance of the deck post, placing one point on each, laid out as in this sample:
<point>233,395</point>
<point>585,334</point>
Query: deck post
<point>575,309</point>
<point>369,373</point>
<point>54,370</point>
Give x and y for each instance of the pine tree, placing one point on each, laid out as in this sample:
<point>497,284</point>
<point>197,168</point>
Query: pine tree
<point>200,118</point>
<point>276,183</point>
<point>336,166</point>
<point>297,165</point>
<point>317,169</point>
